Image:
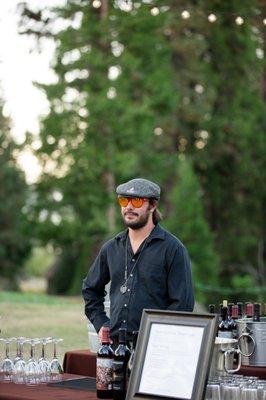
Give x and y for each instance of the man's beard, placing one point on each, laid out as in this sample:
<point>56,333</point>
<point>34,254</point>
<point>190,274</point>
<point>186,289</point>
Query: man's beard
<point>139,223</point>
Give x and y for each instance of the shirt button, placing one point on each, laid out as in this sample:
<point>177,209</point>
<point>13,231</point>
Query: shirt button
<point>131,275</point>
<point>128,290</point>
<point>133,259</point>
<point>125,305</point>
<point>124,321</point>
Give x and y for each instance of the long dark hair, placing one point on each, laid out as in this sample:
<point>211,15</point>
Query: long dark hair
<point>156,215</point>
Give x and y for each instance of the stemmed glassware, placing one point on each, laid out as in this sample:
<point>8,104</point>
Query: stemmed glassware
<point>19,342</point>
<point>44,365</point>
<point>32,371</point>
<point>236,387</point>
<point>249,393</point>
<point>19,362</point>
<point>7,365</point>
<point>231,391</point>
<point>213,391</point>
<point>55,366</point>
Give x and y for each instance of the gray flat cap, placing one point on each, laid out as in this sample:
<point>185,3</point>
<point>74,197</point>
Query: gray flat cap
<point>139,188</point>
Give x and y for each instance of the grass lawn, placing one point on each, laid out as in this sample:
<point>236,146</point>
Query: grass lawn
<point>38,315</point>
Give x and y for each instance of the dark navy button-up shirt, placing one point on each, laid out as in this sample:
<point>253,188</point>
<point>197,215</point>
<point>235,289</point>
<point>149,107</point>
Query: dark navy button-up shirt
<point>160,280</point>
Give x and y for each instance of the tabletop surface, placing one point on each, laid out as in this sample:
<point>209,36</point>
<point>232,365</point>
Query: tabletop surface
<point>12,391</point>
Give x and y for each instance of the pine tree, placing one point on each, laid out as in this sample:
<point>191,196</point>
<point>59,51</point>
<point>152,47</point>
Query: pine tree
<point>137,86</point>
<point>232,163</point>
<point>14,236</point>
<point>188,223</point>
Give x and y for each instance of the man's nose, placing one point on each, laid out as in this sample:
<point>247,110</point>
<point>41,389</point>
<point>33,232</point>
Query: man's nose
<point>129,206</point>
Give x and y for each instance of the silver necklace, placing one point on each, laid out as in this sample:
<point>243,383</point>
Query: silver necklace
<point>123,287</point>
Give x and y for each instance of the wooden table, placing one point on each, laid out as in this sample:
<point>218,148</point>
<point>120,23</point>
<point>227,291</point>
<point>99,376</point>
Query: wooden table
<point>83,362</point>
<point>12,391</point>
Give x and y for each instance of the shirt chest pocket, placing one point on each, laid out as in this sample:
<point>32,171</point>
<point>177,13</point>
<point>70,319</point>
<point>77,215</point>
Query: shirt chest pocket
<point>152,275</point>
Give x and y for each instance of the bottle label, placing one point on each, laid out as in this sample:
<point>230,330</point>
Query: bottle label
<point>104,371</point>
<point>118,375</point>
<point>225,334</point>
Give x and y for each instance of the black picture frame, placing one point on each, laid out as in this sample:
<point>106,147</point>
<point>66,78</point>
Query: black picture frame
<point>198,330</point>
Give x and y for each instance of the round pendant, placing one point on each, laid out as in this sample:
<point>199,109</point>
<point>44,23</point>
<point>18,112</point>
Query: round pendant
<point>123,289</point>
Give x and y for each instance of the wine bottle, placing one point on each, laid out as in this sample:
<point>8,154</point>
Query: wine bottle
<point>121,357</point>
<point>211,308</point>
<point>256,312</point>
<point>263,311</point>
<point>230,305</point>
<point>249,310</point>
<point>234,317</point>
<point>104,367</point>
<point>220,313</point>
<point>224,327</point>
<point>240,310</point>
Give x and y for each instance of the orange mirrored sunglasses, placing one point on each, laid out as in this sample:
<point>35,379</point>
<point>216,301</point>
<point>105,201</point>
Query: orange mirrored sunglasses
<point>136,202</point>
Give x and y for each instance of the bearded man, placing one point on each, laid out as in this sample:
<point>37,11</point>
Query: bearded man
<point>146,265</point>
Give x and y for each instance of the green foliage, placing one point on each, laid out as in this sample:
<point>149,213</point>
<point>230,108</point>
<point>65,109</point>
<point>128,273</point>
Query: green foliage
<point>39,262</point>
<point>231,165</point>
<point>14,240</point>
<point>187,222</point>
<point>30,298</point>
<point>135,91</point>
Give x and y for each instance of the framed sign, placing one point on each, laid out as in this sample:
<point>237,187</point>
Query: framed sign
<point>173,355</point>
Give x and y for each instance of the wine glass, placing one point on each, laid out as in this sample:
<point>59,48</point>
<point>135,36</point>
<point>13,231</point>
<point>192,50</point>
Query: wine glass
<point>231,391</point>
<point>55,366</point>
<point>44,365</point>
<point>7,365</point>
<point>19,342</point>
<point>213,391</point>
<point>261,388</point>
<point>32,372</point>
<point>19,362</point>
<point>249,393</point>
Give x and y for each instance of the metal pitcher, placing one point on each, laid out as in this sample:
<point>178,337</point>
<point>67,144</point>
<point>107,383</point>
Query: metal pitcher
<point>224,353</point>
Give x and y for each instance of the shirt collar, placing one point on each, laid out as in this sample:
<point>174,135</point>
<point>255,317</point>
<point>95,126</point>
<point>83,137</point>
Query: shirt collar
<point>122,235</point>
<point>157,233</point>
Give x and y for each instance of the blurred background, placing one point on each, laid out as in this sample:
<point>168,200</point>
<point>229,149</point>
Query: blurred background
<point>94,93</point>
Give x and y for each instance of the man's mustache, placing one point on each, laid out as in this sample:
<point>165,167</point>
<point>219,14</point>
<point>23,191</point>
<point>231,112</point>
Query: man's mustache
<point>130,213</point>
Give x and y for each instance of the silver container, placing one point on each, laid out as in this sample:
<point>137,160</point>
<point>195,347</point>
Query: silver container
<point>223,357</point>
<point>252,341</point>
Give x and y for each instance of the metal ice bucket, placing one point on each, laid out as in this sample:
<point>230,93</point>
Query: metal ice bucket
<point>224,352</point>
<point>252,341</point>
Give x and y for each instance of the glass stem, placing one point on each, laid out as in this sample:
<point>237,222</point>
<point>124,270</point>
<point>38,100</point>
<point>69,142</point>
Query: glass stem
<point>7,349</point>
<point>19,349</point>
<point>55,350</point>
<point>31,350</point>
<point>43,349</point>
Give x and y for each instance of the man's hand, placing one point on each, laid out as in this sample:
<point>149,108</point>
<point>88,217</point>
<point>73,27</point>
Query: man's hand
<point>100,334</point>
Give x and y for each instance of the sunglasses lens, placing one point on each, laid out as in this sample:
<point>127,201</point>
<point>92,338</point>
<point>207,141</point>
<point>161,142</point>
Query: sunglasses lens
<point>123,201</point>
<point>137,202</point>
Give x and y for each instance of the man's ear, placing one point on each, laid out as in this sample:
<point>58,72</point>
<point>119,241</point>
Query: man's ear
<point>153,206</point>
